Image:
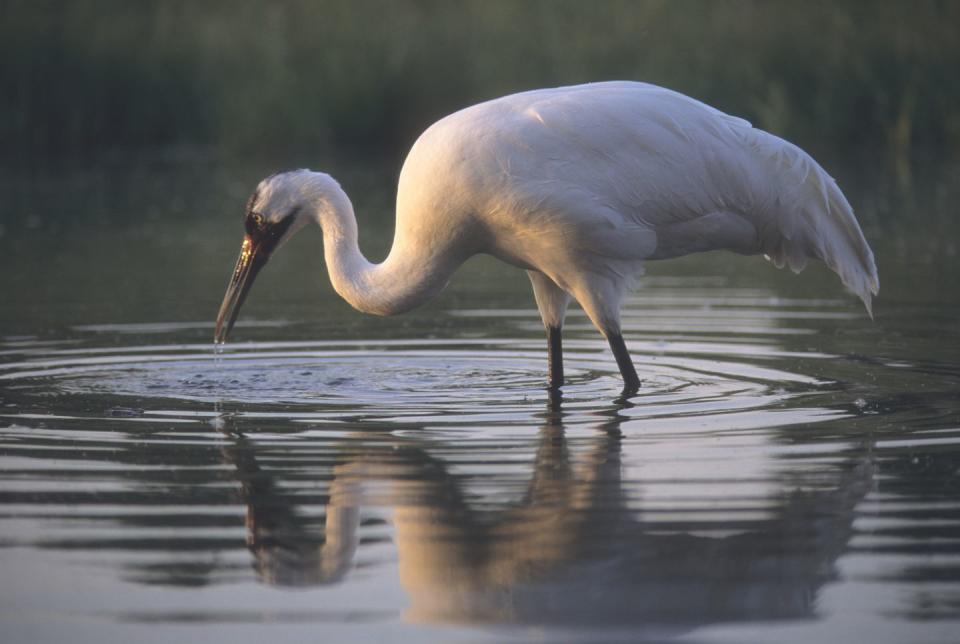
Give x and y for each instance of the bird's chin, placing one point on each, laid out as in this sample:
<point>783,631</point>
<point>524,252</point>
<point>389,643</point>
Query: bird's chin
<point>252,259</point>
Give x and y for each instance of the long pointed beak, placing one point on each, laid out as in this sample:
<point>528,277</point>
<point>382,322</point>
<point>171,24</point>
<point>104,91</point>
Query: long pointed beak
<point>252,259</point>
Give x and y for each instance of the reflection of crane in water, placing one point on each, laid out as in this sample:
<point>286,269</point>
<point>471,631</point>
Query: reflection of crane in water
<point>578,186</point>
<point>571,552</point>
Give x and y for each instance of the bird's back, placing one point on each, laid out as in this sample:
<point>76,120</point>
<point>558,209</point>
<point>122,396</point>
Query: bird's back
<point>623,172</point>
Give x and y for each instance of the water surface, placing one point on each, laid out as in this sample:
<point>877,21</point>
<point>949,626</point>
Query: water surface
<point>788,471</point>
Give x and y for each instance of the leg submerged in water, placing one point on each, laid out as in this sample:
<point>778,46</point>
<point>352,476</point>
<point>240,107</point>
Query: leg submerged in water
<point>631,382</point>
<point>552,302</point>
<point>555,356</point>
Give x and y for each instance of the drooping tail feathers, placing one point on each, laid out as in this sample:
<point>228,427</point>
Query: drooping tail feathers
<point>809,217</point>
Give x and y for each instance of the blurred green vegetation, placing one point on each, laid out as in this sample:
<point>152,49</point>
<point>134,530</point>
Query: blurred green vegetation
<point>362,76</point>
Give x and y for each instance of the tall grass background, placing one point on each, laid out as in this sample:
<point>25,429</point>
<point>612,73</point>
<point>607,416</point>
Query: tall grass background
<point>363,77</point>
<point>133,131</point>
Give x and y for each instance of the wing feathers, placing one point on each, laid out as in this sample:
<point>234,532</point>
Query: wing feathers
<point>812,218</point>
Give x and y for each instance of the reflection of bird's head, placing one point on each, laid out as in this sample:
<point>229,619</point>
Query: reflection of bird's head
<point>286,550</point>
<point>286,554</point>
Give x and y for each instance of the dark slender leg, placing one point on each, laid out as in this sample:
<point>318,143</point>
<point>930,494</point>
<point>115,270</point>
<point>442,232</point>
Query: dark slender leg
<point>631,383</point>
<point>554,399</point>
<point>555,356</point>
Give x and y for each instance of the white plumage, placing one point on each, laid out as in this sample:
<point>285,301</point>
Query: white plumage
<point>579,186</point>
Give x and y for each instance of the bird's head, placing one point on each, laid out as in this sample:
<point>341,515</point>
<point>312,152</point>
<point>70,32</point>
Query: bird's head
<point>278,208</point>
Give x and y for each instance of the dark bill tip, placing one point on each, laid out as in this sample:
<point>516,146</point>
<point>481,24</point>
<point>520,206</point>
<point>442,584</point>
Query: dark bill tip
<point>251,260</point>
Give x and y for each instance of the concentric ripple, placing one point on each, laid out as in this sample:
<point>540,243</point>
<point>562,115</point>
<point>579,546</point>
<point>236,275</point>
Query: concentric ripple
<point>437,381</point>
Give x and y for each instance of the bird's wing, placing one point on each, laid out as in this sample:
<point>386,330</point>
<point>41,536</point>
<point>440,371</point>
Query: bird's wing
<point>808,216</point>
<point>621,160</point>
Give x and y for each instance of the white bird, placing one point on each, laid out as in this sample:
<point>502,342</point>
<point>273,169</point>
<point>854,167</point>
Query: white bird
<point>578,186</point>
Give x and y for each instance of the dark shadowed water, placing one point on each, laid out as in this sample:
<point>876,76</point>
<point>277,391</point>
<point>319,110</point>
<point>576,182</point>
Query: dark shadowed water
<point>788,472</point>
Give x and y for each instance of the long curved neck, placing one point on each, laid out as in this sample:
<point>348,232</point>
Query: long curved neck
<point>411,274</point>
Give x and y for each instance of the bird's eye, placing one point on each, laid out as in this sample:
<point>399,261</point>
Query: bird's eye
<point>254,223</point>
